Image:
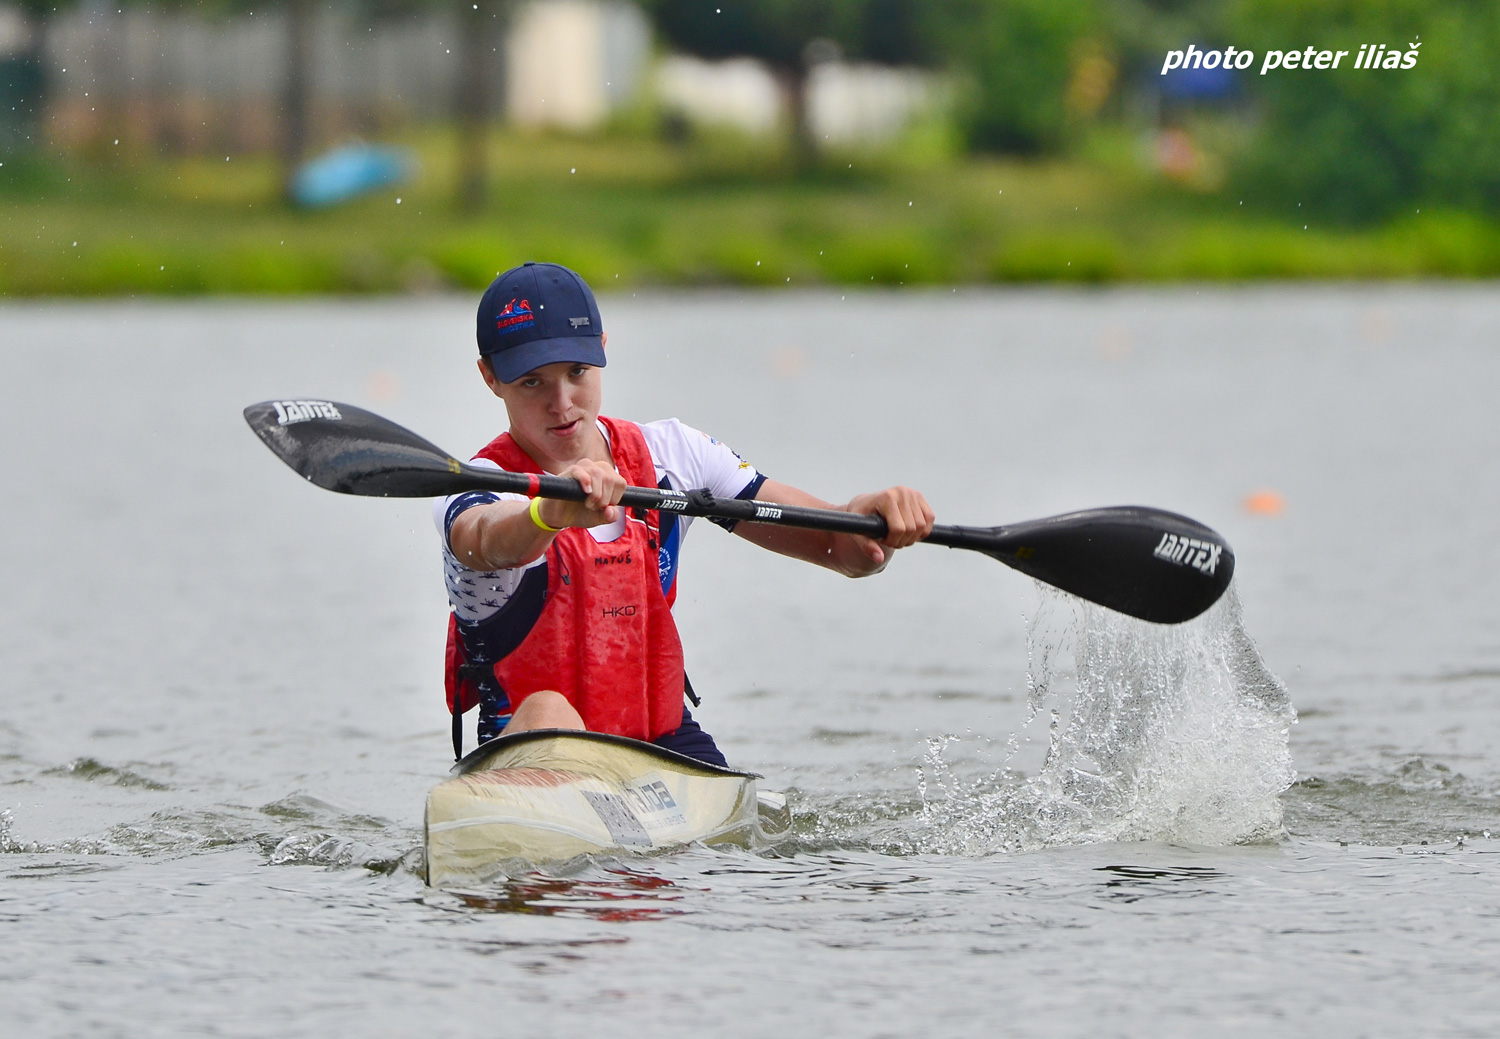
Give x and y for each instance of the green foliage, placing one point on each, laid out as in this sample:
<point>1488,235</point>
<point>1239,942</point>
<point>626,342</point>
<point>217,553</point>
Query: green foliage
<point>1071,256</point>
<point>1357,145</point>
<point>1015,57</point>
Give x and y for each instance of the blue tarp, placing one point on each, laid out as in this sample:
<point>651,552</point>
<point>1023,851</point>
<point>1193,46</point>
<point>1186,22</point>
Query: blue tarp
<point>348,172</point>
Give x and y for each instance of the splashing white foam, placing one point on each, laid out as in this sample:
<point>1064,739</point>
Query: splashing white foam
<point>1168,733</point>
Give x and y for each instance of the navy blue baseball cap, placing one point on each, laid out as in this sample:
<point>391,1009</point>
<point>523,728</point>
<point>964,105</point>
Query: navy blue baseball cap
<point>536,314</point>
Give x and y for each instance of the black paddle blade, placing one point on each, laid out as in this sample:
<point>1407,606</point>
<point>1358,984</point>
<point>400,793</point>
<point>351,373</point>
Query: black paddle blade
<point>343,448</point>
<point>1144,562</point>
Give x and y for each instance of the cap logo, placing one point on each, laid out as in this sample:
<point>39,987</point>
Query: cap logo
<point>516,315</point>
<point>578,322</point>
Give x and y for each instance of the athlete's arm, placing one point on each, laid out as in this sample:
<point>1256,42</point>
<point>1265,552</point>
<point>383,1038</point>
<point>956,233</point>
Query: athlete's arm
<point>907,515</point>
<point>501,535</point>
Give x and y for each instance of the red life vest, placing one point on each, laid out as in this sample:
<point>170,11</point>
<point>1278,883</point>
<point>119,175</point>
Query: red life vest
<point>605,638</point>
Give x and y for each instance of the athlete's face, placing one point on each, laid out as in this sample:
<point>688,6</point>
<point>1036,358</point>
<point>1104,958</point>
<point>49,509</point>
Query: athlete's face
<point>552,410</point>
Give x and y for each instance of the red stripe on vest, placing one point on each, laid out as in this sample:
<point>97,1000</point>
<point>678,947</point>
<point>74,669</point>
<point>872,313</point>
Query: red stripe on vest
<point>605,638</point>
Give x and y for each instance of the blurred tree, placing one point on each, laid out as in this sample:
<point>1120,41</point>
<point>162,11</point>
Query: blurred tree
<point>482,25</point>
<point>1358,144</point>
<point>791,35</point>
<point>296,89</point>
<point>1015,59</point>
<point>23,77</point>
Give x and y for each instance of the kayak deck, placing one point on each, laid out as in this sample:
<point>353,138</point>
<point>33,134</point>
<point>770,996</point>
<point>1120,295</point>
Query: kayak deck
<point>549,795</point>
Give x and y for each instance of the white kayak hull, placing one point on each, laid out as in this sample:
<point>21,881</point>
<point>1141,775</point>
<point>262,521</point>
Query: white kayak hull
<point>554,794</point>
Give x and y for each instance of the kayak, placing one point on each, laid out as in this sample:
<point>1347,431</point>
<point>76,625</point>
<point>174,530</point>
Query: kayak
<point>549,795</point>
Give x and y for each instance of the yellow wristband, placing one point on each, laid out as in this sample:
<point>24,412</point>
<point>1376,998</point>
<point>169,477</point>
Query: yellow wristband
<point>535,512</point>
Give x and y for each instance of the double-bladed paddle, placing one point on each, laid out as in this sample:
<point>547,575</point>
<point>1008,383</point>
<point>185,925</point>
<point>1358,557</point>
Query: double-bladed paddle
<point>1144,562</point>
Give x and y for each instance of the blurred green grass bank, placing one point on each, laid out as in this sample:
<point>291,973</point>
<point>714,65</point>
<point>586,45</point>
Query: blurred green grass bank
<point>631,212</point>
<point>895,143</point>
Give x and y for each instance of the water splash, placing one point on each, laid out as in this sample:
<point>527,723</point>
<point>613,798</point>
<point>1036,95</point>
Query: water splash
<point>278,830</point>
<point>1168,733</point>
<point>335,853</point>
<point>12,845</point>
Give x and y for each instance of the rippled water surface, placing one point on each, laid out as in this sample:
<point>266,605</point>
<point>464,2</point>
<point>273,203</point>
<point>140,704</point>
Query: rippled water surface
<point>1013,814</point>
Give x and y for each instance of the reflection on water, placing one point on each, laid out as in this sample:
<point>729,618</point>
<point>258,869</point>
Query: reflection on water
<point>1132,883</point>
<point>627,898</point>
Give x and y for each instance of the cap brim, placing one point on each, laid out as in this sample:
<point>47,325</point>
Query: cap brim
<point>512,363</point>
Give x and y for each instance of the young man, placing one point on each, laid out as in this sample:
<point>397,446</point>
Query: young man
<point>562,610</point>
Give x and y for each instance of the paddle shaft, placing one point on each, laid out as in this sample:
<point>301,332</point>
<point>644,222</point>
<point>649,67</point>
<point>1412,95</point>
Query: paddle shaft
<point>703,503</point>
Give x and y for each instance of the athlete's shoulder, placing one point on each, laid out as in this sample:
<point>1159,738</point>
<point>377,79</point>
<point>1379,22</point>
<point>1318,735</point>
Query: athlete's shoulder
<point>676,432</point>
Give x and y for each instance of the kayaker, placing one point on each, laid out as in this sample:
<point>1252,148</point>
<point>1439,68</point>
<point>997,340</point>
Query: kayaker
<point>562,610</point>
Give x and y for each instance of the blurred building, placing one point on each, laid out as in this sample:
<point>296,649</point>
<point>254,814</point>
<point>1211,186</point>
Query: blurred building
<point>174,79</point>
<point>846,103</point>
<point>571,62</point>
<point>739,92</point>
<point>849,103</point>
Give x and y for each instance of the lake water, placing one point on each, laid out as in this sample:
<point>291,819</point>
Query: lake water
<point>222,706</point>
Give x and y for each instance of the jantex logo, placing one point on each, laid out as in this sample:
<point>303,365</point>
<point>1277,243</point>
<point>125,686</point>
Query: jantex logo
<point>290,411</point>
<point>1202,556</point>
<point>517,314</point>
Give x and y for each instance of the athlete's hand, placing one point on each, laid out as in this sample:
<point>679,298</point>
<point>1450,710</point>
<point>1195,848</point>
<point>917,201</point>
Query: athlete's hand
<point>908,519</point>
<point>604,488</point>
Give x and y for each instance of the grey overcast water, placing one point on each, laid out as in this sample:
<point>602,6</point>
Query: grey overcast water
<point>222,703</point>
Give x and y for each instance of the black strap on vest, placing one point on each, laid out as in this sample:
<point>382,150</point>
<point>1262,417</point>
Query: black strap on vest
<point>466,673</point>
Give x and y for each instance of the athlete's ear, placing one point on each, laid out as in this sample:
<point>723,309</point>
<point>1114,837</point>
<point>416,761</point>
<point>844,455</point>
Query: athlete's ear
<point>488,374</point>
<point>603,340</point>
